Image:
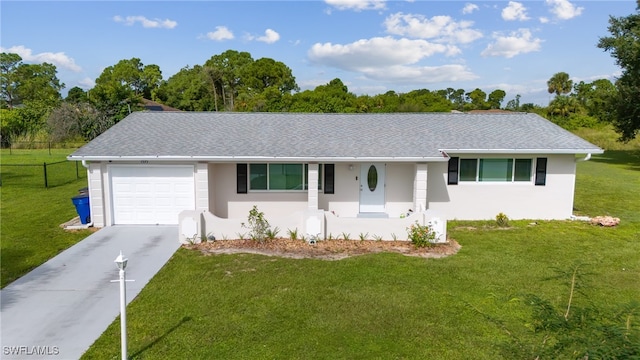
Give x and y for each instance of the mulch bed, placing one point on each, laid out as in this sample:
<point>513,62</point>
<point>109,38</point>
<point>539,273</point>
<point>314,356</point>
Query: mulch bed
<point>324,249</point>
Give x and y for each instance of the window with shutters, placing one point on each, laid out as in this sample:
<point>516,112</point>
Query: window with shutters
<point>494,170</point>
<point>280,177</point>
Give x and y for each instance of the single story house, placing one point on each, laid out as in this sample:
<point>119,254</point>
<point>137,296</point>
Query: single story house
<point>329,175</point>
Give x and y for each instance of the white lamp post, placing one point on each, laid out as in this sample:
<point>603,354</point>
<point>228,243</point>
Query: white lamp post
<point>121,262</point>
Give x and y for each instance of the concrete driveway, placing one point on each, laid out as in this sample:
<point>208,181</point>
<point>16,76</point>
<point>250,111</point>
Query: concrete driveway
<point>60,308</point>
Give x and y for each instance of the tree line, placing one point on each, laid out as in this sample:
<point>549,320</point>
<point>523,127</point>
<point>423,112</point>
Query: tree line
<point>32,108</point>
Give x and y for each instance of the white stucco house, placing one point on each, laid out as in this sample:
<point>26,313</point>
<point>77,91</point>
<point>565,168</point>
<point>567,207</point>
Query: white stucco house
<point>329,174</point>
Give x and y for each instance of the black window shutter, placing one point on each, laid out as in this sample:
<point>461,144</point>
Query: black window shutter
<point>453,171</point>
<point>541,171</point>
<point>329,178</point>
<point>241,178</point>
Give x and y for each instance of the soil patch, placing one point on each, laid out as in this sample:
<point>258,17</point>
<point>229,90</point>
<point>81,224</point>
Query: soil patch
<point>324,249</point>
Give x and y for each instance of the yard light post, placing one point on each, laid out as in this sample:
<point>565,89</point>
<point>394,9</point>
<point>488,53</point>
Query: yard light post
<point>121,262</point>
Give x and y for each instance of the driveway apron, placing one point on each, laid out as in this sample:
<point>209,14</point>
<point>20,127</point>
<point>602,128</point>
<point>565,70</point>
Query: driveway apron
<point>60,308</point>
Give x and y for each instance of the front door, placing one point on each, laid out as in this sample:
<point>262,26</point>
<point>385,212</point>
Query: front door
<point>372,187</point>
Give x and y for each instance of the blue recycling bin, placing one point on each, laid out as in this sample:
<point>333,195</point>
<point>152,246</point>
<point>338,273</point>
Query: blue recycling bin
<point>82,207</point>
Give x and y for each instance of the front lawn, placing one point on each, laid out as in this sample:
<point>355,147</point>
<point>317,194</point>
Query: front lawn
<point>475,304</point>
<point>31,214</point>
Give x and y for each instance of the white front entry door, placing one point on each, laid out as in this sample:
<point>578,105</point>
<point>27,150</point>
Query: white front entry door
<point>372,187</point>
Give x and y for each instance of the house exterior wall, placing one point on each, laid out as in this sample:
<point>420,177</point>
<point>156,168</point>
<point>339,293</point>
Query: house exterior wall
<point>215,191</point>
<point>212,171</point>
<point>224,202</point>
<point>201,179</point>
<point>478,200</point>
<point>227,203</point>
<point>399,188</point>
<point>96,194</point>
<point>346,200</point>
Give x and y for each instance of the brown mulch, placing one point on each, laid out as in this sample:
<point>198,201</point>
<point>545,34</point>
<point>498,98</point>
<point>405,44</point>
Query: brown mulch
<point>324,249</point>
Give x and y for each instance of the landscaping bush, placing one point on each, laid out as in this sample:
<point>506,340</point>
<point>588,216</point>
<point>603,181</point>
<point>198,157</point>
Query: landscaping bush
<point>421,235</point>
<point>258,226</point>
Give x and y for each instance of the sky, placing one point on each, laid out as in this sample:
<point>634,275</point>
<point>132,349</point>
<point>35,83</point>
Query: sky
<point>372,46</point>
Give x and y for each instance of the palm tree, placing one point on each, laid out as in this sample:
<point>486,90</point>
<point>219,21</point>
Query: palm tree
<point>563,106</point>
<point>560,84</point>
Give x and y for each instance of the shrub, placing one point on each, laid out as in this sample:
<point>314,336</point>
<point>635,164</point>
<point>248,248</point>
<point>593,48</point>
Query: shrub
<point>502,220</point>
<point>421,235</point>
<point>258,226</point>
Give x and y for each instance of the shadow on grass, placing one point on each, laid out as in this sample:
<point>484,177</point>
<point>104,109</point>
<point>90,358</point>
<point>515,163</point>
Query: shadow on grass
<point>628,158</point>
<point>161,337</point>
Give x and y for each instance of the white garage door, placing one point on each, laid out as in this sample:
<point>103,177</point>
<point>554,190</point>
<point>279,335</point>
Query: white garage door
<point>151,194</point>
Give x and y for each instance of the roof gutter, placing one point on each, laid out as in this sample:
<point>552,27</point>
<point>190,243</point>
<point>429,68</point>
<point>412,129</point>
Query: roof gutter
<point>84,159</point>
<point>523,151</point>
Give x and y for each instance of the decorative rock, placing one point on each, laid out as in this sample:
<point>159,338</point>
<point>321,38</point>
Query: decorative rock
<point>605,221</point>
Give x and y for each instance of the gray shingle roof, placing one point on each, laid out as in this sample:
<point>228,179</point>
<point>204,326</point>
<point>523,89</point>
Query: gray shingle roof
<point>225,135</point>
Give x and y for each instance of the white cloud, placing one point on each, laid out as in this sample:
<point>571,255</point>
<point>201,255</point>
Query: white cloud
<point>518,42</point>
<point>87,83</point>
<point>221,33</point>
<point>357,5</point>
<point>422,74</point>
<point>375,52</point>
<point>563,9</point>
<point>389,59</point>
<point>469,8</point>
<point>146,23</point>
<point>58,59</point>
<point>544,19</point>
<point>509,89</point>
<point>439,28</point>
<point>270,36</point>
<point>514,11</point>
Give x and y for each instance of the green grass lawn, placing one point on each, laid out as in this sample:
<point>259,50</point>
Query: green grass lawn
<point>31,214</point>
<point>387,306</point>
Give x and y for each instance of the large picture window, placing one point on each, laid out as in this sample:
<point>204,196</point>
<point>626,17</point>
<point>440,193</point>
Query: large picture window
<point>283,177</point>
<point>495,170</point>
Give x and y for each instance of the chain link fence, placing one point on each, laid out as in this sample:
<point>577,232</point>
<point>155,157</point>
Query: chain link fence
<point>47,174</point>
<point>39,164</point>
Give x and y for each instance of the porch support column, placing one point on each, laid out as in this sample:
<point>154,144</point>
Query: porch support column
<point>420,188</point>
<point>313,217</point>
<point>312,179</point>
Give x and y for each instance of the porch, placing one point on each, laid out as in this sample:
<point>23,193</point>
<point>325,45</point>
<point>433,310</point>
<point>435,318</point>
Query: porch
<point>374,201</point>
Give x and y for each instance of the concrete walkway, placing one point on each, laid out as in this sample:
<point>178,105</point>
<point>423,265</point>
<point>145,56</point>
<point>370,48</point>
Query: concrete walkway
<point>60,308</point>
